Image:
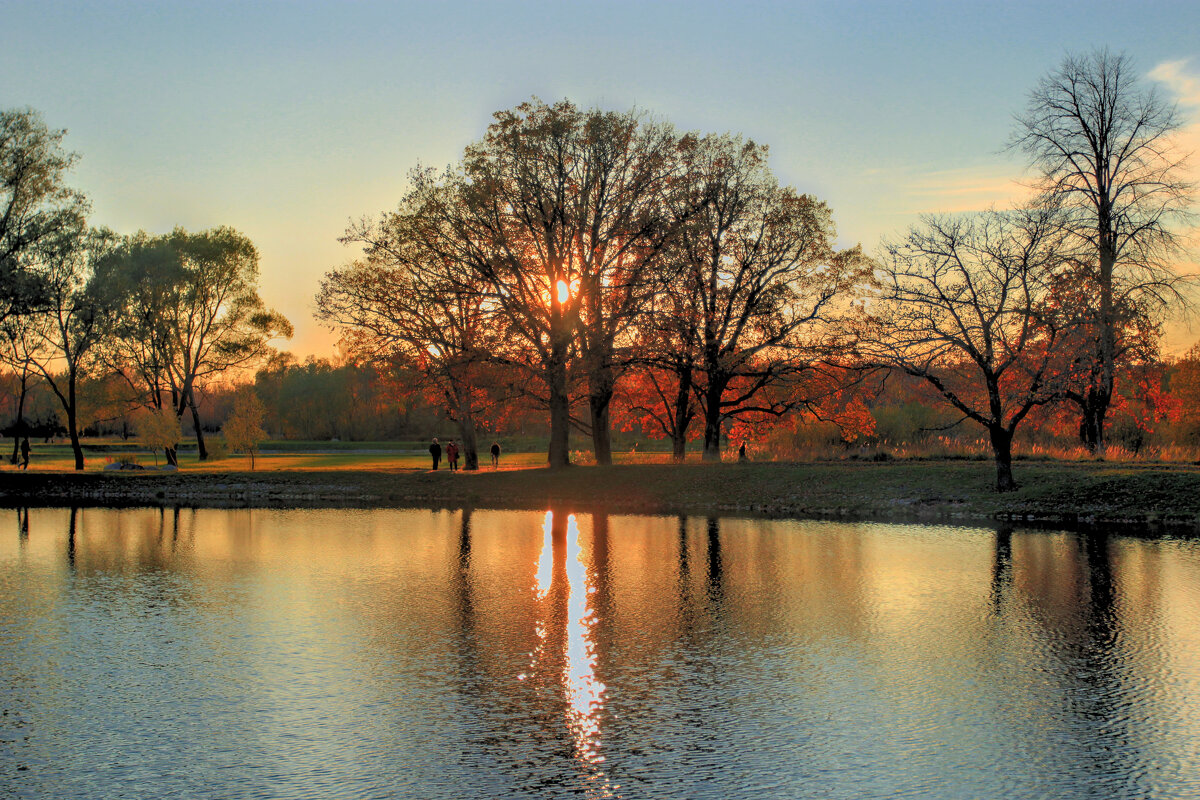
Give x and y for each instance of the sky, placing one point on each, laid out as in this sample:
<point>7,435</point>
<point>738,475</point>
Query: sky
<point>288,120</point>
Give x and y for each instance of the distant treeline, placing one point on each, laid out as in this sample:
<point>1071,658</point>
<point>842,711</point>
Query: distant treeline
<point>316,400</point>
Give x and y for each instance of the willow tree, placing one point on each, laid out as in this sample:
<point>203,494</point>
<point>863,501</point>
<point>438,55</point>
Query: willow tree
<point>761,274</point>
<point>74,324</point>
<point>188,309</point>
<point>36,206</point>
<point>1104,149</point>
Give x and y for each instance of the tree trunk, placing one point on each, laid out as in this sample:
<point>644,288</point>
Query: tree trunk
<point>1102,396</point>
<point>199,431</point>
<point>466,432</point>
<point>19,422</point>
<point>679,447</point>
<point>72,427</point>
<point>177,407</point>
<point>599,399</point>
<point>1093,411</point>
<point>1002,450</point>
<point>560,408</point>
<point>682,415</point>
<point>712,419</point>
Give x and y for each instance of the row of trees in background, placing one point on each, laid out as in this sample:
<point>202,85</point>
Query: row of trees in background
<point>593,270</point>
<point>572,249</point>
<point>159,314</point>
<point>572,254</point>
<point>1156,413</point>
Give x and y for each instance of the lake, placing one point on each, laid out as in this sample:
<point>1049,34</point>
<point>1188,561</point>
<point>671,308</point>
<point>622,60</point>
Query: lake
<point>447,654</point>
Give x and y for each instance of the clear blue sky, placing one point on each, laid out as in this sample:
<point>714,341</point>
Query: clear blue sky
<point>287,119</point>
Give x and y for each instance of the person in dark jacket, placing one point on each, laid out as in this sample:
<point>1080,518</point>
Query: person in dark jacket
<point>25,453</point>
<point>435,450</point>
<point>495,455</point>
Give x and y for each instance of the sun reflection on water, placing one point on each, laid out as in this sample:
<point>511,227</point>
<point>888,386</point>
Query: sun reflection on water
<point>572,652</point>
<point>545,569</point>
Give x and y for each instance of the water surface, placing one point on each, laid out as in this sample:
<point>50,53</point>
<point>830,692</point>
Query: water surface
<point>421,654</point>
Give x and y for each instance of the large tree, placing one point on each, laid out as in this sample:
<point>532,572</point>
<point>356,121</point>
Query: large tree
<point>189,310</point>
<point>403,303</point>
<point>659,393</point>
<point>761,274</point>
<point>966,306</point>
<point>557,211</point>
<point>76,312</point>
<point>36,207</point>
<point>1103,147</point>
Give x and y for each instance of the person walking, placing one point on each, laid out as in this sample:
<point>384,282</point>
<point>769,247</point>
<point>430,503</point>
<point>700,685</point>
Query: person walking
<point>495,455</point>
<point>452,455</point>
<point>25,453</point>
<point>435,451</point>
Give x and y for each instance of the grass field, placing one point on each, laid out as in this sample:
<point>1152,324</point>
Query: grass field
<point>1146,498</point>
<point>290,455</point>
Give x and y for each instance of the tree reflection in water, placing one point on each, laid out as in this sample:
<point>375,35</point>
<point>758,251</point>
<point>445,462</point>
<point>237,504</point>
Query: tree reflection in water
<point>378,652</point>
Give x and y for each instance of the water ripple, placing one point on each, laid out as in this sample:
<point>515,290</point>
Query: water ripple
<point>503,654</point>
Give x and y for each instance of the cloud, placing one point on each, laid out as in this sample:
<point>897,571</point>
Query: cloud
<point>1179,81</point>
<point>1183,83</point>
<point>919,190</point>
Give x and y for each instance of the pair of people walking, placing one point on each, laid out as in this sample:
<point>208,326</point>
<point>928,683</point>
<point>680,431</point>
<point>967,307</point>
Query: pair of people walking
<point>435,452</point>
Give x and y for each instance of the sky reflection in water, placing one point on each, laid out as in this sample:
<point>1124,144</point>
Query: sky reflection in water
<point>509,654</point>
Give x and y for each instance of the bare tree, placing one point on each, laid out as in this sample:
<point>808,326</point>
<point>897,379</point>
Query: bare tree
<point>761,273</point>
<point>402,301</point>
<point>556,211</point>
<point>966,305</point>
<point>660,390</point>
<point>1103,147</point>
<point>622,225</point>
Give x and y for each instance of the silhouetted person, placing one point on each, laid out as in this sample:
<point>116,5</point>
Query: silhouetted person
<point>25,453</point>
<point>435,450</point>
<point>452,455</point>
<point>495,455</point>
<point>742,452</point>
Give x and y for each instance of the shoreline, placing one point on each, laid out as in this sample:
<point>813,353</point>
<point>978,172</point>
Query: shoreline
<point>1142,499</point>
